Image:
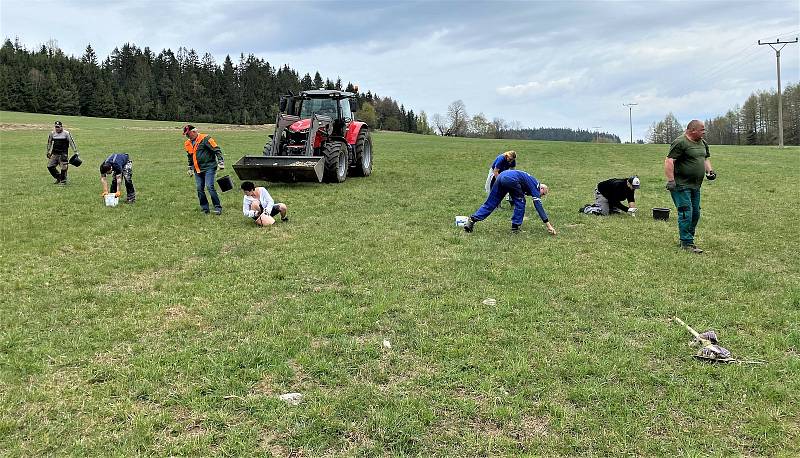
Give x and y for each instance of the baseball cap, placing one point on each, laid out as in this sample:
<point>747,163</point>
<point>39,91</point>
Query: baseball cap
<point>58,124</point>
<point>187,128</point>
<point>634,180</point>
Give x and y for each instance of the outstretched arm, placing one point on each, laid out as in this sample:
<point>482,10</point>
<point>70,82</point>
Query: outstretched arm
<point>537,204</point>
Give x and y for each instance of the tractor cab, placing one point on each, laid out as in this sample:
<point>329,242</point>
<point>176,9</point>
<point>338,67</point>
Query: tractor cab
<point>335,105</point>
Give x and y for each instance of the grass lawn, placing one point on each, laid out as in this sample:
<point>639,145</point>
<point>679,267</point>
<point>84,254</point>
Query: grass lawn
<point>154,329</point>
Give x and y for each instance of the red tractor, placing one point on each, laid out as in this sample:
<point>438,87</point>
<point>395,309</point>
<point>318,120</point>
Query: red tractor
<point>316,138</point>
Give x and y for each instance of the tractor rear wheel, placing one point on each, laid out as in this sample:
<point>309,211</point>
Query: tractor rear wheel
<point>335,162</point>
<point>363,148</point>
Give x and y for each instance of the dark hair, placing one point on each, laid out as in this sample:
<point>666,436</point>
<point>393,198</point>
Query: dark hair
<point>248,186</point>
<point>105,167</point>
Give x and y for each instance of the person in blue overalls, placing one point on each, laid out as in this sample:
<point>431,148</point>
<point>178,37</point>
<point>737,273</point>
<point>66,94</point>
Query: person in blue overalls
<point>516,183</point>
<point>504,161</point>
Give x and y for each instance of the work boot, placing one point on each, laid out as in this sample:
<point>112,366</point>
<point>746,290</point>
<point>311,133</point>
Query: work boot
<point>63,177</point>
<point>691,247</point>
<point>515,229</point>
<point>469,224</point>
<point>55,174</point>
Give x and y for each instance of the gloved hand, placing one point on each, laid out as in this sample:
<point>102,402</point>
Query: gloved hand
<point>190,171</point>
<point>49,155</point>
<point>222,165</point>
<point>671,185</point>
<point>116,194</point>
<point>632,210</point>
<point>711,176</point>
<point>103,195</point>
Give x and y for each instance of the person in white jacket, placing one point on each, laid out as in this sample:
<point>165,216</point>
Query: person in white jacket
<point>258,204</point>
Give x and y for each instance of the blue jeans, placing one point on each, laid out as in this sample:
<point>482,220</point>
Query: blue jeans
<point>687,202</point>
<point>504,185</point>
<point>206,180</point>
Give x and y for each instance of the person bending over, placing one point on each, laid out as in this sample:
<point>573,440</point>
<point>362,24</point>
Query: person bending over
<point>516,183</point>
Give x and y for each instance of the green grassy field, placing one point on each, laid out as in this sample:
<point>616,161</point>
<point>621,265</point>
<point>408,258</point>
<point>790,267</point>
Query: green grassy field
<point>155,329</point>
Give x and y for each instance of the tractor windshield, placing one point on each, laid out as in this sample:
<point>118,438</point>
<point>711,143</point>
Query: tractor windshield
<point>325,107</point>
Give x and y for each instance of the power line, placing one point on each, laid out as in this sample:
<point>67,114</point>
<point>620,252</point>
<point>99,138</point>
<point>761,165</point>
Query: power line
<point>780,102</point>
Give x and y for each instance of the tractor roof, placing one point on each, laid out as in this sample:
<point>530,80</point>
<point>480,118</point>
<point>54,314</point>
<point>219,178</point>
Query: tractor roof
<point>326,93</point>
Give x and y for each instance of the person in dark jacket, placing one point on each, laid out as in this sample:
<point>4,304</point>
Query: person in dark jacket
<point>121,168</point>
<point>518,184</point>
<point>609,194</point>
<point>203,155</point>
<point>58,143</point>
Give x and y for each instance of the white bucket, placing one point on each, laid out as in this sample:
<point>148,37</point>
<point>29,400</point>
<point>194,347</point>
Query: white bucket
<point>111,200</point>
<point>461,221</point>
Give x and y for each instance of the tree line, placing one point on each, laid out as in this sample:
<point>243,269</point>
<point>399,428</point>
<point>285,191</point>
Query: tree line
<point>457,123</point>
<point>176,86</point>
<point>754,123</point>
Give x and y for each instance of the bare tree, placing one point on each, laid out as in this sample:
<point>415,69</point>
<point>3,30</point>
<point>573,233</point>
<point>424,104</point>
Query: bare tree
<point>458,118</point>
<point>440,124</point>
<point>499,126</point>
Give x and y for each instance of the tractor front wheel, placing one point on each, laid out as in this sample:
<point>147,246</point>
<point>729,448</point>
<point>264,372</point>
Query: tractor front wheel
<point>335,162</point>
<point>363,149</point>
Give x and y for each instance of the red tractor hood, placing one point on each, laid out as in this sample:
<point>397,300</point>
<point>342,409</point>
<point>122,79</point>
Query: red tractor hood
<point>302,124</point>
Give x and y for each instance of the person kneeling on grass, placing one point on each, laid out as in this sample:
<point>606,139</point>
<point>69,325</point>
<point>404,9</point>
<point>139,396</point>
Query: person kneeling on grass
<point>609,194</point>
<point>258,204</point>
<point>518,184</point>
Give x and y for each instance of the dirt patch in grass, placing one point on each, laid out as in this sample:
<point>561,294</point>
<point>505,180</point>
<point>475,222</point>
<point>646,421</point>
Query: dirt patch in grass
<point>117,356</point>
<point>264,387</point>
<point>300,376</point>
<point>147,280</point>
<point>270,442</point>
<point>486,428</point>
<point>189,424</point>
<point>7,126</point>
<point>531,427</point>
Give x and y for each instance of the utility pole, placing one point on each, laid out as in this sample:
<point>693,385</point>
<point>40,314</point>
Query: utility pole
<point>630,116</point>
<point>596,134</point>
<point>780,99</point>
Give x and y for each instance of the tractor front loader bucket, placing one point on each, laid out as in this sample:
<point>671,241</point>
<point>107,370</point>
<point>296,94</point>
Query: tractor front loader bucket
<point>280,168</point>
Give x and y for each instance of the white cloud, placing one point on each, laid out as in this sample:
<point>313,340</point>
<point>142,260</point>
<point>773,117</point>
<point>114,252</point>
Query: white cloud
<point>545,87</point>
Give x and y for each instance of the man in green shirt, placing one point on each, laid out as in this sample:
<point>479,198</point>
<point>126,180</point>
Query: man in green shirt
<point>685,166</point>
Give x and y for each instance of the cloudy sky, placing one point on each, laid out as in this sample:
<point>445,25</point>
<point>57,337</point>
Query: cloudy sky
<point>541,63</point>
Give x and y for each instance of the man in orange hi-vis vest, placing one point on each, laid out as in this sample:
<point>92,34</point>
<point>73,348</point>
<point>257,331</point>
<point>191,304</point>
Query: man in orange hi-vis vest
<point>203,155</point>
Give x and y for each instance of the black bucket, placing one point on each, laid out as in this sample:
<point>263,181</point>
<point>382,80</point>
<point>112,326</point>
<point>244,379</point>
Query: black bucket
<point>661,213</point>
<point>225,183</point>
<point>75,160</point>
